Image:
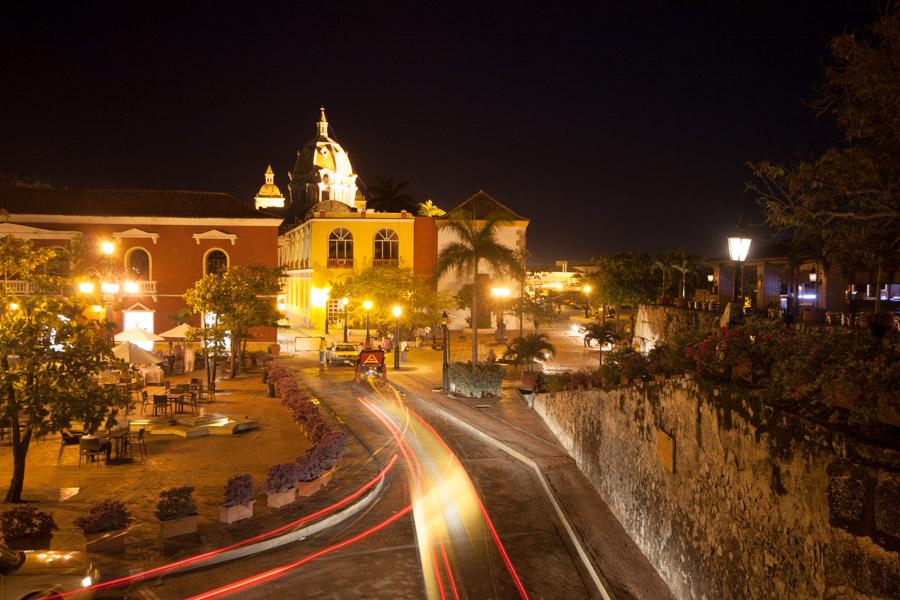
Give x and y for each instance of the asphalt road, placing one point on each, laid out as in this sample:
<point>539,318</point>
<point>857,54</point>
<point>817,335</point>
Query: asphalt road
<point>458,518</point>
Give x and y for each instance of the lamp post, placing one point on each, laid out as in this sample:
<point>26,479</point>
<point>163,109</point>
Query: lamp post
<point>344,303</point>
<point>587,292</point>
<point>445,366</point>
<point>108,287</point>
<point>367,306</point>
<point>738,248</point>
<point>813,278</point>
<point>500,294</point>
<point>397,311</point>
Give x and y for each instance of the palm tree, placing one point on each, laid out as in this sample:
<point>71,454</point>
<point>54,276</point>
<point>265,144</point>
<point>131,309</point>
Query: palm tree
<point>663,264</point>
<point>604,333</point>
<point>430,209</point>
<point>390,196</point>
<point>531,346</point>
<point>476,241</point>
<point>686,264</point>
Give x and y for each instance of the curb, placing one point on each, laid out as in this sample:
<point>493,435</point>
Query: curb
<point>596,578</point>
<point>288,538</point>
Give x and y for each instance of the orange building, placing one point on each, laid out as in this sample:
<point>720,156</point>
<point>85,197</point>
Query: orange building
<point>163,241</point>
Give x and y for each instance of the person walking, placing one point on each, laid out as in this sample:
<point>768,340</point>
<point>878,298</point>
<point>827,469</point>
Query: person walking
<point>404,346</point>
<point>323,349</point>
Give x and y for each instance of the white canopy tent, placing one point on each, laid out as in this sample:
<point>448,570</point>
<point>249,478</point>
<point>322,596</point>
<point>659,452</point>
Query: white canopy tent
<point>176,333</point>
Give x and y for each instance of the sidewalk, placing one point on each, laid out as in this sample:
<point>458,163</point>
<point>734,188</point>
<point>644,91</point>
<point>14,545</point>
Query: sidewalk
<point>517,430</point>
<point>66,491</point>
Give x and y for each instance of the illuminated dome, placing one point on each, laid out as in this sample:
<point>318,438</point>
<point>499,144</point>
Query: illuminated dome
<point>322,172</point>
<point>269,196</point>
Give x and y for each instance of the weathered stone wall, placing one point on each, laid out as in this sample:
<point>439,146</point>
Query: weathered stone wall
<point>653,323</point>
<point>730,498</point>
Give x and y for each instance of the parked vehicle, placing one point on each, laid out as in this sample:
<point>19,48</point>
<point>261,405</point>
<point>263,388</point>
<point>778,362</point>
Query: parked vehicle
<point>40,573</point>
<point>342,354</point>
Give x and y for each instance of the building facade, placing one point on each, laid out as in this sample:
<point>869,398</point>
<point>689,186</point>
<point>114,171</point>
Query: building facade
<point>162,242</point>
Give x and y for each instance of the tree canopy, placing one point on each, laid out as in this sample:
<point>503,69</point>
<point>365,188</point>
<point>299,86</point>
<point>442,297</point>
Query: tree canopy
<point>844,203</point>
<point>388,286</point>
<point>50,355</point>
<point>389,195</point>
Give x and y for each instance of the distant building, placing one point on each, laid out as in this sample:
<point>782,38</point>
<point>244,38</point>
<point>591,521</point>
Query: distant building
<point>329,233</point>
<point>165,240</point>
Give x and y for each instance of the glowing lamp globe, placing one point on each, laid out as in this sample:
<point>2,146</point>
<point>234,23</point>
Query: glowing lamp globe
<point>738,248</point>
<point>396,311</point>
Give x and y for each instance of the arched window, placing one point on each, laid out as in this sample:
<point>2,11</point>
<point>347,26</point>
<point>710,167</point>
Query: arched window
<point>215,263</point>
<point>137,264</point>
<point>387,248</point>
<point>340,248</point>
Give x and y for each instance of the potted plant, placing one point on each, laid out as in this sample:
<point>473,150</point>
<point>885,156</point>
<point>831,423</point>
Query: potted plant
<point>177,511</point>
<point>280,482</point>
<point>238,503</point>
<point>104,525</point>
<point>27,528</point>
<point>310,469</point>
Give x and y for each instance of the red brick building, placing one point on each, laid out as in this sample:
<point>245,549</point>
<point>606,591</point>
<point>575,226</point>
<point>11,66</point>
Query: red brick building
<point>164,241</point>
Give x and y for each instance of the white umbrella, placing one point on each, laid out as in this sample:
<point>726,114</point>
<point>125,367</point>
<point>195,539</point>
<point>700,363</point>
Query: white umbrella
<point>136,334</point>
<point>176,333</point>
<point>134,354</point>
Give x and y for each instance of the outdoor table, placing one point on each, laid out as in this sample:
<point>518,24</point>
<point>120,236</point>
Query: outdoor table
<point>177,402</point>
<point>119,440</point>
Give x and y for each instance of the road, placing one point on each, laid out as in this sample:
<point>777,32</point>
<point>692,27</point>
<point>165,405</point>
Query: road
<point>458,518</point>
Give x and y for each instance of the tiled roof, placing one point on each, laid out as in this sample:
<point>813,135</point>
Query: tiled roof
<point>482,206</point>
<point>126,203</point>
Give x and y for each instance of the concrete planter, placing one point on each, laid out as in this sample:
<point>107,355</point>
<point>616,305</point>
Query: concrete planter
<point>308,488</point>
<point>238,512</point>
<point>177,527</point>
<point>105,541</point>
<point>281,499</point>
<point>41,542</point>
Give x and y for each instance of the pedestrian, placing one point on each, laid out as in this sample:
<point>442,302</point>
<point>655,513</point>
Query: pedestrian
<point>404,346</point>
<point>323,349</point>
<point>491,357</point>
<point>386,344</point>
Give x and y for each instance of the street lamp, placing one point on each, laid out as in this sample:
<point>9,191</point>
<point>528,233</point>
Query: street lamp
<point>367,306</point>
<point>738,248</point>
<point>397,311</point>
<point>500,293</point>
<point>445,366</point>
<point>587,292</point>
<point>344,303</point>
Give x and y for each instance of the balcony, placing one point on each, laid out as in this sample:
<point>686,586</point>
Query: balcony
<point>144,288</point>
<point>18,287</point>
<point>385,262</point>
<point>340,263</point>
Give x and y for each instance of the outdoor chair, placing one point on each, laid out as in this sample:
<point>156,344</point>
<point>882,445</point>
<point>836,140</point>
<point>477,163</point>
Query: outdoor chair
<point>136,439</point>
<point>194,400</point>
<point>68,439</point>
<point>160,401</point>
<point>92,449</point>
<point>145,400</point>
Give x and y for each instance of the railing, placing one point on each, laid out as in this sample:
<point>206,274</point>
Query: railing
<point>340,263</point>
<point>18,287</point>
<point>145,288</point>
<point>385,262</point>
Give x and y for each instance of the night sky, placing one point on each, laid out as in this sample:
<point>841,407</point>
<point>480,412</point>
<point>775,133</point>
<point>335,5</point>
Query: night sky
<point>611,128</point>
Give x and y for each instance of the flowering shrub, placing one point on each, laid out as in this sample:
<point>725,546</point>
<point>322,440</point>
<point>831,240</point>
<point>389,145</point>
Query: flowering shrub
<point>281,478</point>
<point>26,521</point>
<point>238,490</point>
<point>176,503</point>
<point>330,448</point>
<point>310,466</point>
<point>106,515</point>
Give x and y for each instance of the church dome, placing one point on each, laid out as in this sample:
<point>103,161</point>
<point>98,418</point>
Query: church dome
<point>323,171</point>
<point>269,196</point>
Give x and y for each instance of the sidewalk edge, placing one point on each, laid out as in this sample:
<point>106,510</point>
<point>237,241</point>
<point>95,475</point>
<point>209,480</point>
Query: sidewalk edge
<point>596,578</point>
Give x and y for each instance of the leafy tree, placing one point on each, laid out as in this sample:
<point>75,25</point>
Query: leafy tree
<point>602,333</point>
<point>476,241</point>
<point>253,293</point>
<point>50,356</point>
<point>531,346</point>
<point>385,287</point>
<point>388,195</point>
<point>844,204</point>
<point>624,279</point>
<point>430,209</point>
<point>211,298</point>
<point>540,309</point>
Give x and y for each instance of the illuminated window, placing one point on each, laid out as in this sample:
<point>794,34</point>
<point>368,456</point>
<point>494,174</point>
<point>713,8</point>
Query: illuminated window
<point>387,248</point>
<point>340,248</point>
<point>216,262</point>
<point>138,264</point>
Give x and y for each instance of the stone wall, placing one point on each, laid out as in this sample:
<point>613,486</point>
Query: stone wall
<point>730,498</point>
<point>653,323</point>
